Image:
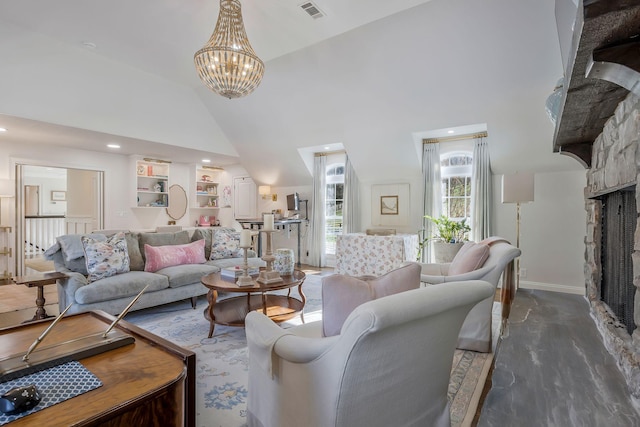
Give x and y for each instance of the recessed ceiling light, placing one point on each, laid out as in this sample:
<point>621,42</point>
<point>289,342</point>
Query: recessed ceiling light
<point>327,148</point>
<point>206,161</point>
<point>3,129</point>
<point>113,146</point>
<point>451,131</point>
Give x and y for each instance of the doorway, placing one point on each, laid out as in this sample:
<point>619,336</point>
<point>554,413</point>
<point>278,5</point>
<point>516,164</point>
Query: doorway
<point>245,199</point>
<point>53,201</point>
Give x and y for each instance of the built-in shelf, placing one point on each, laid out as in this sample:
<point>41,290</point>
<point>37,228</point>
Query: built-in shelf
<point>205,189</point>
<point>589,96</point>
<point>152,184</point>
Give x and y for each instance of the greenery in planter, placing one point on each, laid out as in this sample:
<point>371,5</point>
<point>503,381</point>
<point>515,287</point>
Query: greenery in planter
<point>447,230</point>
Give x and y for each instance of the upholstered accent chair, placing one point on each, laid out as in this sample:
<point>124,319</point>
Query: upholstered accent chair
<point>475,333</point>
<point>389,366</point>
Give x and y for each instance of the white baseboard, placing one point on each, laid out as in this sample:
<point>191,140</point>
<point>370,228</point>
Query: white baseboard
<point>552,287</point>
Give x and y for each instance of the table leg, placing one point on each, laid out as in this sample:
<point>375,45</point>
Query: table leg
<point>264,303</point>
<point>212,296</point>
<point>299,225</point>
<point>304,301</point>
<point>41,313</point>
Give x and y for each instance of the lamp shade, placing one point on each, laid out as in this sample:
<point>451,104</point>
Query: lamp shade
<point>6,188</point>
<point>517,188</point>
<point>264,190</point>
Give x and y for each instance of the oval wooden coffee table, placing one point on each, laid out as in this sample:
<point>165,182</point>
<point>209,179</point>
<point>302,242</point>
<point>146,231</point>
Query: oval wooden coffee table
<point>232,311</point>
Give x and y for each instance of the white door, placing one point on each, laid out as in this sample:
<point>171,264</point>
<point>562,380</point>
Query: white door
<point>31,200</point>
<point>245,198</point>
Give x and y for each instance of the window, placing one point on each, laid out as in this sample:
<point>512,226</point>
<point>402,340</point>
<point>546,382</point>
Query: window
<point>456,184</point>
<point>333,206</point>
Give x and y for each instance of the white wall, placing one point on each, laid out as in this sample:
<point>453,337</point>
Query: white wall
<point>414,222</point>
<point>552,231</point>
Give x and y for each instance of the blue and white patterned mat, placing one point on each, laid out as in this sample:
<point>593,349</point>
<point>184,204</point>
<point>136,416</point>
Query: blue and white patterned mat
<point>55,384</point>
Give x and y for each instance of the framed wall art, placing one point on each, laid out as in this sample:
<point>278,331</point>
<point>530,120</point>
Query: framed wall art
<point>58,196</point>
<point>390,204</point>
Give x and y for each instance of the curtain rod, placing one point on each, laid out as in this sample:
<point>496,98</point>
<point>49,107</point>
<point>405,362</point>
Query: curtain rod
<point>455,138</point>
<point>329,152</point>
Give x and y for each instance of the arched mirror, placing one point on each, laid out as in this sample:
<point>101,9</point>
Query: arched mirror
<point>177,202</point>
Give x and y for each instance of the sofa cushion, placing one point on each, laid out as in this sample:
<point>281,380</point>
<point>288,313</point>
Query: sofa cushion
<point>471,256</point>
<point>162,239</point>
<point>71,244</point>
<point>225,243</point>
<point>105,258</point>
<point>121,286</point>
<point>341,294</point>
<point>78,265</point>
<point>203,234</point>
<point>187,274</point>
<point>136,262</point>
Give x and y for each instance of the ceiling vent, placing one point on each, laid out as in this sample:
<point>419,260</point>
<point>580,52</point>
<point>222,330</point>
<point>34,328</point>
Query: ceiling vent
<point>312,10</point>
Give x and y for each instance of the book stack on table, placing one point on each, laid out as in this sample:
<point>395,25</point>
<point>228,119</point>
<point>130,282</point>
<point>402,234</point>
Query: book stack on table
<point>235,272</point>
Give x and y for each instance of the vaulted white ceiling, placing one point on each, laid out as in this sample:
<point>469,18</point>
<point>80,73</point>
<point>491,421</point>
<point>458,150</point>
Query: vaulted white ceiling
<point>371,75</point>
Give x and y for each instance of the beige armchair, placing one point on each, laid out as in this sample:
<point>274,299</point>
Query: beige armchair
<point>475,333</point>
<point>389,366</point>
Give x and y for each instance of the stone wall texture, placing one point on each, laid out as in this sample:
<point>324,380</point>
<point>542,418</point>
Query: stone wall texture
<point>615,165</point>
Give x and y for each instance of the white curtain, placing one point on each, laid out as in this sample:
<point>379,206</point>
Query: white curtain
<point>481,194</point>
<point>351,204</point>
<point>317,225</point>
<point>432,200</point>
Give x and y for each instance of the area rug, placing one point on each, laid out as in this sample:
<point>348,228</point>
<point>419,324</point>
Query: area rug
<point>222,361</point>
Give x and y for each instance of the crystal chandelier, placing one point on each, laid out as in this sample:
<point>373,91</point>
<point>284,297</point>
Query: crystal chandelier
<point>227,64</point>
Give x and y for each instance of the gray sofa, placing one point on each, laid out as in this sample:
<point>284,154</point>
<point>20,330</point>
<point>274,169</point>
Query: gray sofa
<point>113,294</point>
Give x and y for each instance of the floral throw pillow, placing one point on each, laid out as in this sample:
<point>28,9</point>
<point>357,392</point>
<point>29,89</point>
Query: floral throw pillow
<point>105,258</point>
<point>225,244</point>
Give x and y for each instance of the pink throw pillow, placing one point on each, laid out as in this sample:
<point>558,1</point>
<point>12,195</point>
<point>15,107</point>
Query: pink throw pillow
<point>341,294</point>
<point>158,257</point>
<point>470,257</point>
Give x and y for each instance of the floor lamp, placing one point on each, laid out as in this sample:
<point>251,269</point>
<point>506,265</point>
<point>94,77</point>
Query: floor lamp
<point>517,188</point>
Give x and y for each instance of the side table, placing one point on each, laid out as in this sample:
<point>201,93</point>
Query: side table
<point>232,311</point>
<point>40,280</point>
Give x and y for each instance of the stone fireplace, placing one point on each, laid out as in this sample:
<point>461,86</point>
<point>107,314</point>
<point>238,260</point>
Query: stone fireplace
<point>614,175</point>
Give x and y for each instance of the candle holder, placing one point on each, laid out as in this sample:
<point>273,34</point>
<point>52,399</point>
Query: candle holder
<point>268,275</point>
<point>245,279</point>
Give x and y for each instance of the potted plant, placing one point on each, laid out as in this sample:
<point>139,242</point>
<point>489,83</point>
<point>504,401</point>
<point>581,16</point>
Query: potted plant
<point>448,238</point>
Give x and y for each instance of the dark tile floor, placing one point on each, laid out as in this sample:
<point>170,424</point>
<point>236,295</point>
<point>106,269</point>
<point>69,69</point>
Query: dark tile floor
<point>552,369</point>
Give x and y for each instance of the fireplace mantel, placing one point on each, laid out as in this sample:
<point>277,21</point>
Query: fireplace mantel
<point>601,26</point>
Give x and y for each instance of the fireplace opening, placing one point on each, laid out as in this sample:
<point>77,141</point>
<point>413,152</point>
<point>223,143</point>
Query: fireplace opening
<point>619,217</point>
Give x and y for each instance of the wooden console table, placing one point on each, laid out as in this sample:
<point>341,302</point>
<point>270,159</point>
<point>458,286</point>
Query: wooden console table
<point>148,383</point>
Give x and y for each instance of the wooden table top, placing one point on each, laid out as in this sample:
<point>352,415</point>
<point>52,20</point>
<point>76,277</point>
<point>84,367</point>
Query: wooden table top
<point>128,373</point>
<point>39,279</point>
<point>228,284</point>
